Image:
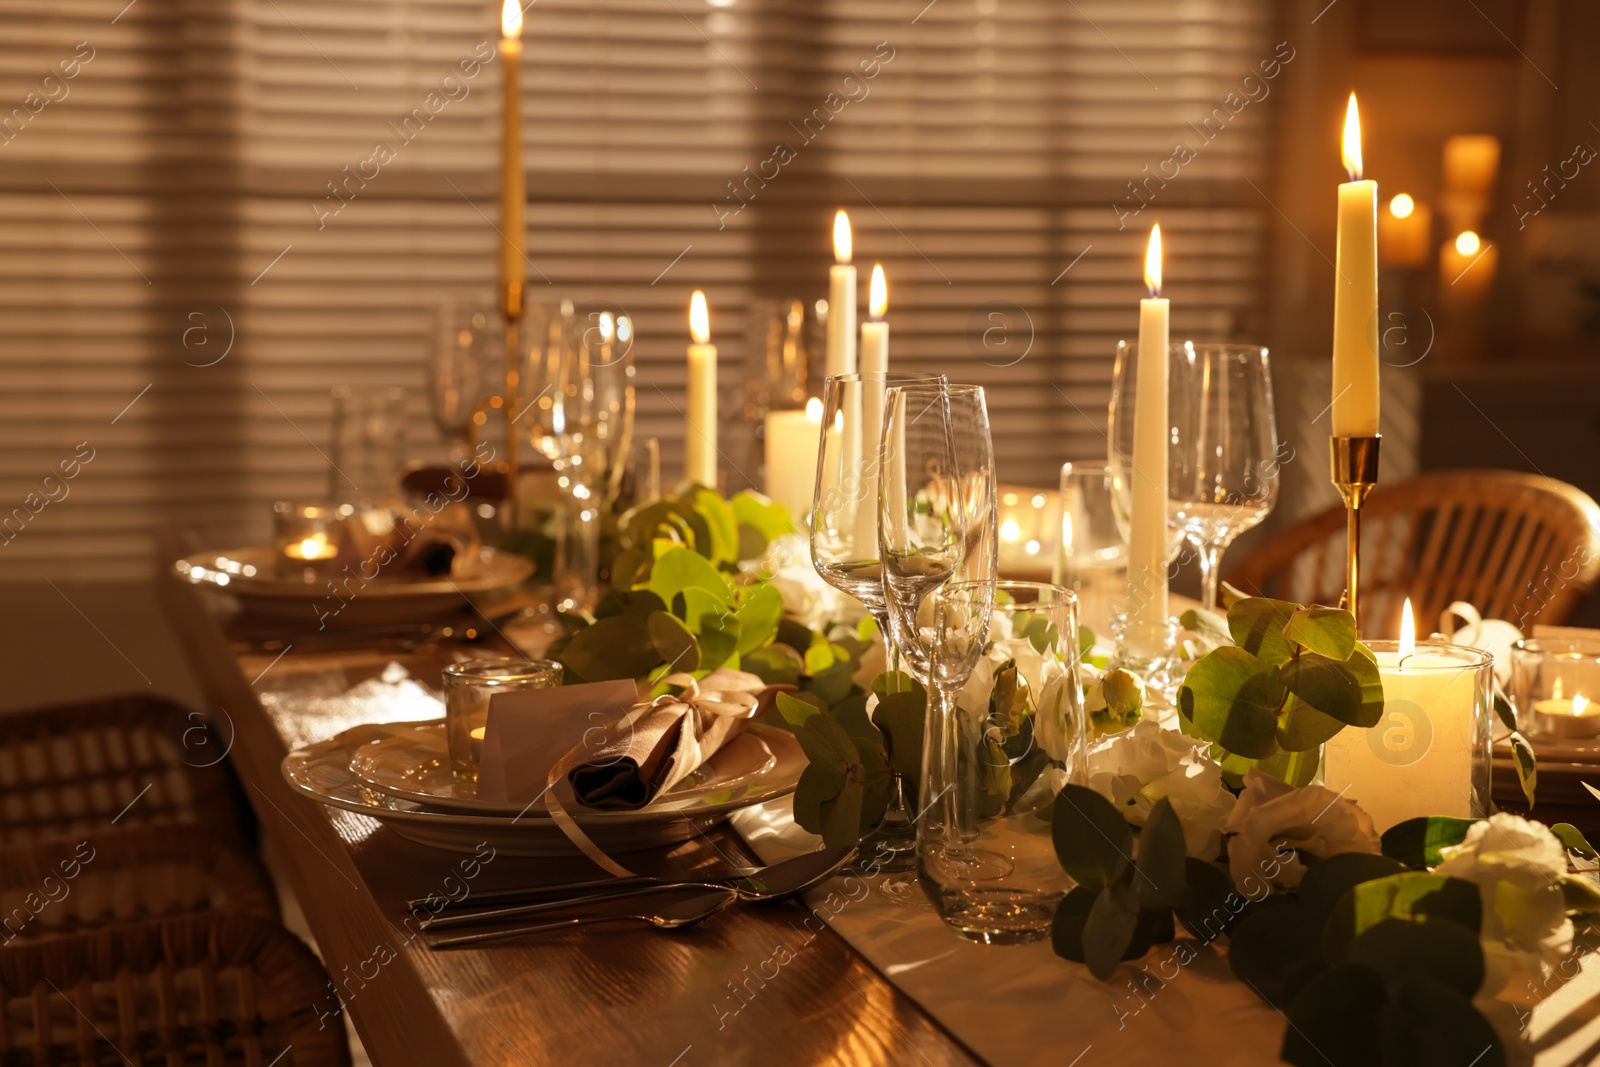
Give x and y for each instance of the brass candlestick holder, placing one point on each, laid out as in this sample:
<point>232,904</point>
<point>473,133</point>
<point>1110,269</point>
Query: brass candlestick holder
<point>1355,472</point>
<point>511,304</point>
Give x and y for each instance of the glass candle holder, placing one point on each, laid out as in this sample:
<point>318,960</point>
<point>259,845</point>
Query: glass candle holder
<point>1555,687</point>
<point>468,688</point>
<point>306,536</point>
<point>1430,753</point>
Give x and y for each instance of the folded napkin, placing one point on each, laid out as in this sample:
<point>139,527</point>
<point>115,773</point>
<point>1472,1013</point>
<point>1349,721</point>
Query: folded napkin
<point>529,731</point>
<point>656,745</point>
<point>419,542</point>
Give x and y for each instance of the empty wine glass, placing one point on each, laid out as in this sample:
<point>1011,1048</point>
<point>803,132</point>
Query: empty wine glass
<point>1226,480</point>
<point>468,346</point>
<point>937,511</point>
<point>1119,431</point>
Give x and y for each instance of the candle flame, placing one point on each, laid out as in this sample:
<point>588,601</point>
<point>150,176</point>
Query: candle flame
<point>1352,140</point>
<point>814,411</point>
<point>1467,243</point>
<point>1408,631</point>
<point>878,292</point>
<point>624,329</point>
<point>511,19</point>
<point>1579,702</point>
<point>699,318</point>
<point>313,546</point>
<point>608,328</point>
<point>1402,206</point>
<point>1152,262</point>
<point>842,247</point>
<point>1010,531</point>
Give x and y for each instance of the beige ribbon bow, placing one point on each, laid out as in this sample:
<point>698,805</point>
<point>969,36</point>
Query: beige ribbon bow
<point>651,749</point>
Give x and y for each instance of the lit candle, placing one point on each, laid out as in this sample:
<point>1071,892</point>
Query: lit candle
<point>1403,232</point>
<point>1556,716</point>
<point>700,441</point>
<point>841,354</point>
<point>874,364</point>
<point>1471,161</point>
<point>793,438</point>
<point>1466,268</point>
<point>875,333</point>
<point>1355,295</point>
<point>512,194</point>
<point>1428,755</point>
<point>313,547</point>
<point>1147,527</point>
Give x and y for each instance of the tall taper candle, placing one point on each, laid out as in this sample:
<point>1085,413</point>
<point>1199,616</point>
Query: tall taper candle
<point>513,194</point>
<point>700,436</point>
<point>874,363</point>
<point>841,354</point>
<point>1147,532</point>
<point>1355,295</point>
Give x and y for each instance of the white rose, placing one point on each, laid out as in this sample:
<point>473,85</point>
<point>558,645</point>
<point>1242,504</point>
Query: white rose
<point>1053,727</point>
<point>1138,767</point>
<point>1273,816</point>
<point>1517,866</point>
<point>874,661</point>
<point>974,697</point>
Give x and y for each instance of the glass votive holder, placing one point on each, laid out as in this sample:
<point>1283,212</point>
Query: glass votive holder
<point>305,537</point>
<point>1555,687</point>
<point>467,689</point>
<point>1430,752</point>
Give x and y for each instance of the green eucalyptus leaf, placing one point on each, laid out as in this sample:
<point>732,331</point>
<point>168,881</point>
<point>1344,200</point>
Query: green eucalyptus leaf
<point>1581,895</point>
<point>1430,1022</point>
<point>1233,698</point>
<point>775,664</point>
<point>1210,905</point>
<point>1574,841</point>
<point>898,682</point>
<point>760,608</point>
<point>1092,840</point>
<point>866,629</point>
<point>617,647</point>
<point>1086,640</point>
<point>877,783</point>
<point>1329,632</point>
<point>1328,880</point>
<point>1399,896</point>
<point>1333,687</point>
<point>1334,1021</point>
<point>681,568</point>
<point>1268,946</point>
<point>1296,768</point>
<point>722,522</point>
<point>1161,878</point>
<point>668,519</point>
<point>1527,766</point>
<point>769,518</point>
<point>851,713</point>
<point>1416,842</point>
<point>1072,915</point>
<point>716,627</point>
<point>1231,595</point>
<point>833,684</point>
<point>1211,628</point>
<point>820,654</point>
<point>673,641</point>
<point>901,717</point>
<point>795,634</point>
<point>1503,709</point>
<point>1400,949</point>
<point>751,544</point>
<point>1301,727</point>
<point>1256,625</point>
<point>796,712</point>
<point>842,816</point>
<point>1108,932</point>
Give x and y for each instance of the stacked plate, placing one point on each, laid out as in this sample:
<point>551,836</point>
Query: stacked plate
<point>399,773</point>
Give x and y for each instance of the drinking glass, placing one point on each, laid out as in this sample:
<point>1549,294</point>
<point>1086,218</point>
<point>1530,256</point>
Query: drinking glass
<point>1008,732</point>
<point>468,346</point>
<point>468,686</point>
<point>1224,472</point>
<point>368,442</point>
<point>844,540</point>
<point>577,410</point>
<point>938,517</point>
<point>1092,559</point>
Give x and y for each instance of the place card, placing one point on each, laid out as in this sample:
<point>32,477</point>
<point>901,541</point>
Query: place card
<point>529,730</point>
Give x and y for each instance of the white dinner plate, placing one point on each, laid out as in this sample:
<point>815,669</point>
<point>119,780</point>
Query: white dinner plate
<point>251,576</point>
<point>322,772</point>
<point>411,761</point>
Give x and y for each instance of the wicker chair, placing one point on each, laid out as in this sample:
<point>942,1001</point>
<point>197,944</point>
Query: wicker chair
<point>78,769</point>
<point>1516,546</point>
<point>73,886</point>
<point>202,989</point>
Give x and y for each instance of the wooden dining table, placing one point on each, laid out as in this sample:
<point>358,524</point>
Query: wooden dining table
<point>609,995</point>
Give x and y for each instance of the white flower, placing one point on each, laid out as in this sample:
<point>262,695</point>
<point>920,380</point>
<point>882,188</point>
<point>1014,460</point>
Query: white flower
<point>806,597</point>
<point>1138,767</point>
<point>1517,866</point>
<point>1273,817</point>
<point>974,697</point>
<point>1053,726</point>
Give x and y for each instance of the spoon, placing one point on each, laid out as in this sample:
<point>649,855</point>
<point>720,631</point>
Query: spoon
<point>674,916</point>
<point>785,879</point>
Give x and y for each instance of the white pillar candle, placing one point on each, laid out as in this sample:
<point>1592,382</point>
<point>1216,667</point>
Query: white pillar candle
<point>841,352</point>
<point>700,437</point>
<point>1147,530</point>
<point>793,438</point>
<point>1429,753</point>
<point>1355,295</point>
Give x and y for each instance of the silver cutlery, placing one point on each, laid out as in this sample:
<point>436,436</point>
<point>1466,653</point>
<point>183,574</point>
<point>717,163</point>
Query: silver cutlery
<point>785,879</point>
<point>674,916</point>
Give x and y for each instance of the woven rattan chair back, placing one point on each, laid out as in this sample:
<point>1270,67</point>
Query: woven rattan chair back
<point>1516,546</point>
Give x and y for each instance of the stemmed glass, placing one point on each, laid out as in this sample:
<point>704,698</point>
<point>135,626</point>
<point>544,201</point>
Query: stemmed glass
<point>1226,480</point>
<point>1119,430</point>
<point>844,535</point>
<point>468,342</point>
<point>577,410</point>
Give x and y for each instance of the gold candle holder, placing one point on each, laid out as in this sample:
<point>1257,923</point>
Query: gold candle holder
<point>1355,472</point>
<point>511,303</point>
